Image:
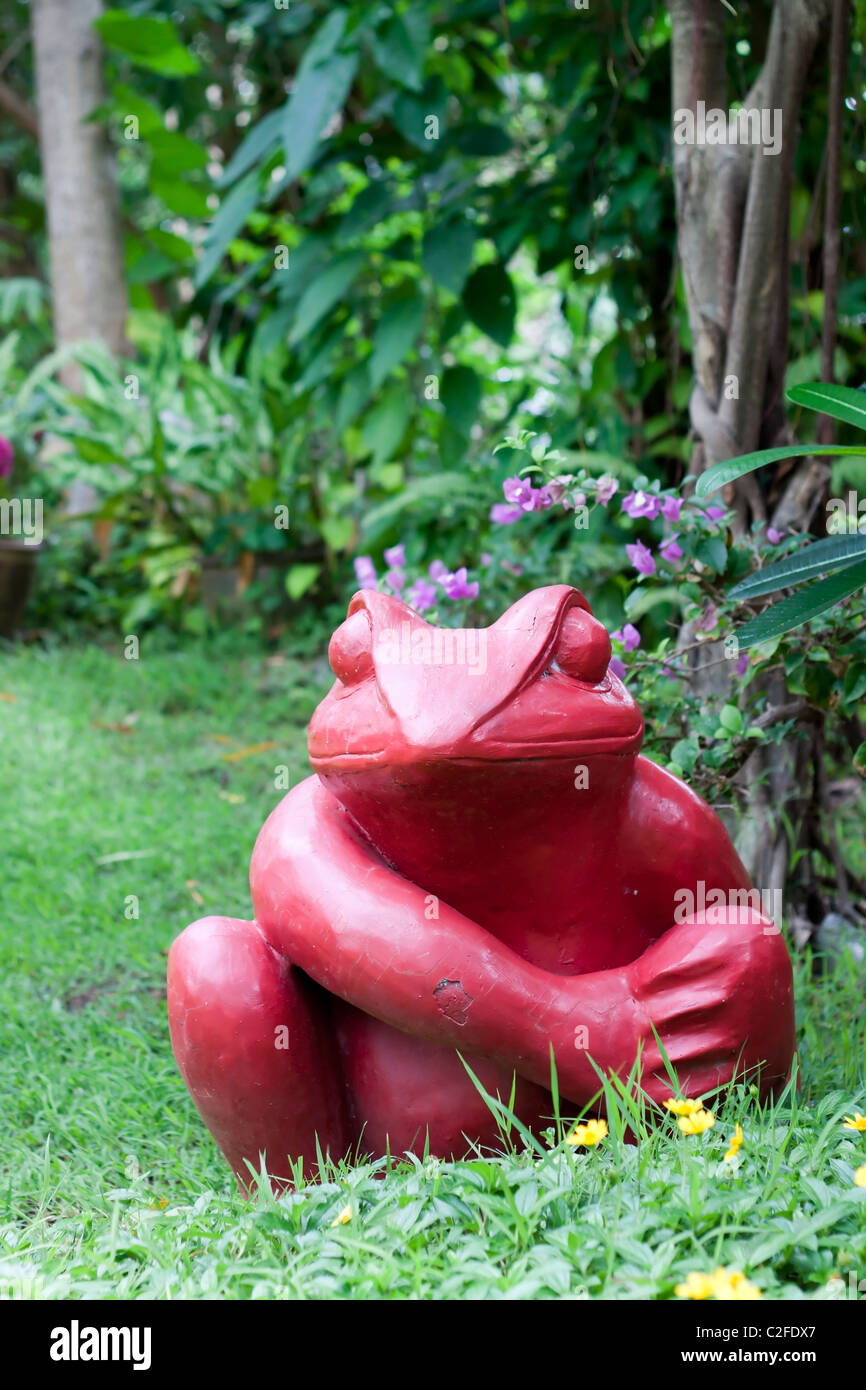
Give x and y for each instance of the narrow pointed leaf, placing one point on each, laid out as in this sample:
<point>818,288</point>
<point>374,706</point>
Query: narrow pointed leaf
<point>725,472</point>
<point>842,402</point>
<point>813,559</point>
<point>802,607</point>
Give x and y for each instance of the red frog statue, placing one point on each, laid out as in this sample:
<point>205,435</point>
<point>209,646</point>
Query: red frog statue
<point>482,865</point>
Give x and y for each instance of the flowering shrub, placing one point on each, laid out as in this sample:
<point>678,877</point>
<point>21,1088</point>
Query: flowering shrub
<point>655,563</point>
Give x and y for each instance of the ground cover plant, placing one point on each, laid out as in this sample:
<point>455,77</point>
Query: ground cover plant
<point>122,776</point>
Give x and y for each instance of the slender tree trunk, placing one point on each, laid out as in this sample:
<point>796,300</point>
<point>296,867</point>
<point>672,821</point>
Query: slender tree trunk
<point>733,211</point>
<point>88,286</point>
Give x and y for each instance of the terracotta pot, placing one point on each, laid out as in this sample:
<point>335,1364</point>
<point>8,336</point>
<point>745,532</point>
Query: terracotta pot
<point>17,568</point>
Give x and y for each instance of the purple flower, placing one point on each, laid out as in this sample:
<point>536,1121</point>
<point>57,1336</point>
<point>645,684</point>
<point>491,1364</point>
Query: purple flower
<point>557,486</point>
<point>438,570</point>
<point>511,567</point>
<point>7,455</point>
<point>671,508</point>
<point>708,619</point>
<point>365,572</point>
<point>617,666</point>
<point>606,488</point>
<point>455,585</point>
<point>396,556</point>
<point>641,558</point>
<point>715,513</point>
<point>396,579</point>
<point>577,499</point>
<point>743,664</point>
<point>774,536</point>
<point>520,493</point>
<point>641,504</point>
<point>421,596</point>
<point>486,559</point>
<point>628,635</point>
<point>669,550</point>
<point>541,499</point>
<point>503,515</point>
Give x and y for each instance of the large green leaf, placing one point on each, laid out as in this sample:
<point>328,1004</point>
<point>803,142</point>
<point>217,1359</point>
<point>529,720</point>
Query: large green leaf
<point>447,250</point>
<point>324,292</point>
<point>842,402</point>
<point>230,218</point>
<point>725,472</point>
<point>460,394</point>
<point>801,607</point>
<point>151,42</point>
<point>813,559</point>
<point>264,135</point>
<point>324,77</point>
<point>490,302</point>
<point>402,46</point>
<point>384,426</point>
<point>395,335</point>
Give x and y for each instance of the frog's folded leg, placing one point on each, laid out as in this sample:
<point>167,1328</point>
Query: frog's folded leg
<point>253,1041</point>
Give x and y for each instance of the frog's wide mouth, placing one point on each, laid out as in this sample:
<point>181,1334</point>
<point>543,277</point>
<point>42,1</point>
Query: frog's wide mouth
<point>504,751</point>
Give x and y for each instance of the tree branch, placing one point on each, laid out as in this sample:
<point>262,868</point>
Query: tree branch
<point>18,110</point>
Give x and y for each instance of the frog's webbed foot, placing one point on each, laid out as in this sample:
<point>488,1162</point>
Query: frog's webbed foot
<point>253,1041</point>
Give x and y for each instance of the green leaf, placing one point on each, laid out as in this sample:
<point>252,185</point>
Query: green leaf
<point>182,198</point>
<point>412,115</point>
<point>725,472</point>
<point>384,426</point>
<point>259,142</point>
<point>395,335</point>
<point>152,43</point>
<point>322,83</point>
<point>354,395</point>
<point>338,531</point>
<point>731,719</point>
<point>228,221</point>
<point>460,394</point>
<point>400,50</point>
<point>300,578</point>
<point>482,139</point>
<point>490,302</point>
<point>446,252</point>
<point>800,608</point>
<point>860,759</point>
<point>828,554</point>
<point>324,292</point>
<point>842,402</point>
<point>174,152</point>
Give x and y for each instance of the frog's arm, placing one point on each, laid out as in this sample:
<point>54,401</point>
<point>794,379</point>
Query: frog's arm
<point>327,901</point>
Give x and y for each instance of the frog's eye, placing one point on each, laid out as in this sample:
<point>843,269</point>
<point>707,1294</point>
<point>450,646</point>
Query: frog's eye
<point>350,651</point>
<point>583,647</point>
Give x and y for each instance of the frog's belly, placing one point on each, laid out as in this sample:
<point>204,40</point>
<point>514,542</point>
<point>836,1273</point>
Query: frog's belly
<point>404,1090</point>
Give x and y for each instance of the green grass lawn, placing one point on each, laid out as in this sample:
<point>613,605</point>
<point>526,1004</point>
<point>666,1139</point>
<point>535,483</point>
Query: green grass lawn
<point>111,1187</point>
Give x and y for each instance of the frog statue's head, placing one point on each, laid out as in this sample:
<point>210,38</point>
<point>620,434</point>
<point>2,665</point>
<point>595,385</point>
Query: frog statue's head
<point>536,684</point>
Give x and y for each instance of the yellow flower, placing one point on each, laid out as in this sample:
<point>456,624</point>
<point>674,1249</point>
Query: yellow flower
<point>343,1216</point>
<point>723,1284</point>
<point>696,1286</point>
<point>860,1176</point>
<point>735,1287</point>
<point>683,1107</point>
<point>697,1122</point>
<point>588,1134</point>
<point>858,1122</point>
<point>736,1144</point>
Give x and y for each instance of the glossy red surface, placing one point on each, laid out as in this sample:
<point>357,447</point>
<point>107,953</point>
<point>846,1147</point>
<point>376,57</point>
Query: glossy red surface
<point>481,862</point>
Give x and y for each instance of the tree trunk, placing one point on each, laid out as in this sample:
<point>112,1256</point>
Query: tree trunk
<point>733,212</point>
<point>86,250</point>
